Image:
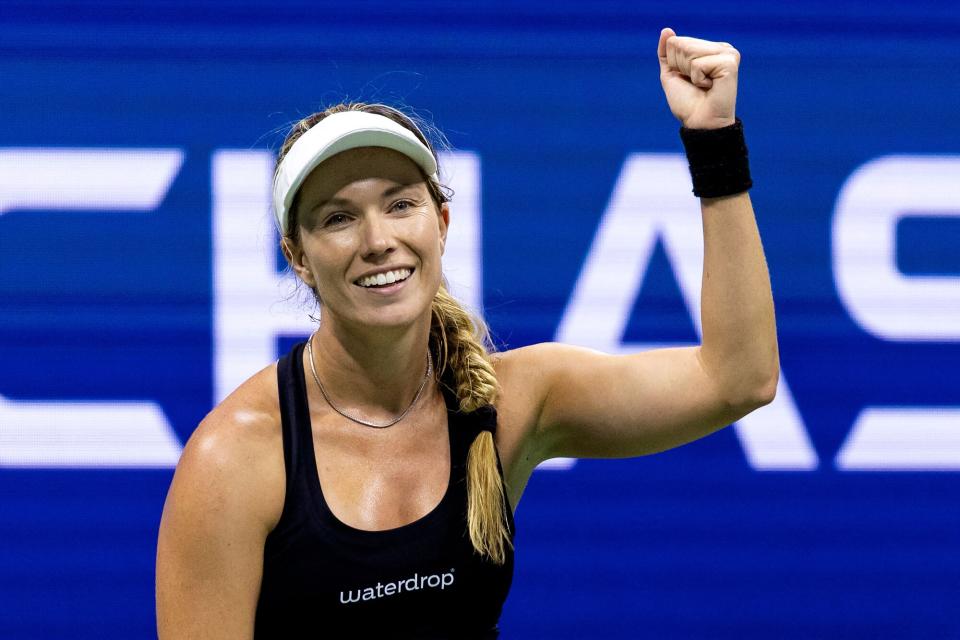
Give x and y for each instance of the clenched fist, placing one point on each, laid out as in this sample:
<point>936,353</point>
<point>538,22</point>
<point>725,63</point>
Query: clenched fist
<point>699,78</point>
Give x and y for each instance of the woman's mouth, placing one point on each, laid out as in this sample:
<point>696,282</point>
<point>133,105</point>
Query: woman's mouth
<point>384,279</point>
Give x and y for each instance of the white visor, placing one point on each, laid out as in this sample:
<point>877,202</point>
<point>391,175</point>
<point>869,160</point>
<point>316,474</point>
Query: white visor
<point>335,134</point>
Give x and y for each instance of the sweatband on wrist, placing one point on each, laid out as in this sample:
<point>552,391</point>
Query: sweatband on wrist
<point>718,160</point>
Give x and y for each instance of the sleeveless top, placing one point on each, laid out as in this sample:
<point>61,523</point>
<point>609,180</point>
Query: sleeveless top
<point>325,579</point>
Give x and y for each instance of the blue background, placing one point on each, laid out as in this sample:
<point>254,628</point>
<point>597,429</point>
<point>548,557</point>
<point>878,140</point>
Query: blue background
<point>552,96</point>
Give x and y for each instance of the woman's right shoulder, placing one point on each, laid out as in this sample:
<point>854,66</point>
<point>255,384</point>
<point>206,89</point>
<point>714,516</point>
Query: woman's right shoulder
<point>236,452</point>
<point>226,496</point>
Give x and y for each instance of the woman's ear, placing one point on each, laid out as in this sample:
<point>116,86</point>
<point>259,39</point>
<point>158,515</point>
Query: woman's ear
<point>444,225</point>
<point>294,255</point>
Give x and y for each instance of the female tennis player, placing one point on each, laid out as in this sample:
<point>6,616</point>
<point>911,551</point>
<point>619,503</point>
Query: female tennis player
<point>366,482</point>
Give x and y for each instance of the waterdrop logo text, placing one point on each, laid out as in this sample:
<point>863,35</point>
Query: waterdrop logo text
<point>413,583</point>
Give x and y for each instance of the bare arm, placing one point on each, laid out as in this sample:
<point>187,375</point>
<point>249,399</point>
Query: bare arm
<point>215,521</point>
<point>598,405</point>
<point>739,349</point>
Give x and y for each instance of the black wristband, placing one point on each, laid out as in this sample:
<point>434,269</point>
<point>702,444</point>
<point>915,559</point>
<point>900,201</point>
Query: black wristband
<point>718,160</point>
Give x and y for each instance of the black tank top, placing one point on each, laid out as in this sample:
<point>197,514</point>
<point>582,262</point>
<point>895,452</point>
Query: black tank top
<point>325,579</point>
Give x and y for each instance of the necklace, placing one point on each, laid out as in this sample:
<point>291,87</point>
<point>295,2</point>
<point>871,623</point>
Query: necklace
<point>323,392</point>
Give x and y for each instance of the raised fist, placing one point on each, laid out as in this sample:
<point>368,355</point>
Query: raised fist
<point>699,78</point>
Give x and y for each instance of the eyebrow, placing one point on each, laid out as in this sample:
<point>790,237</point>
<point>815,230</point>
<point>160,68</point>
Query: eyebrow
<point>342,202</point>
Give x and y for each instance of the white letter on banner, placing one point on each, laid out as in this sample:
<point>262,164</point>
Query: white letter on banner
<point>882,300</point>
<point>651,202</point>
<point>252,301</point>
<point>897,307</point>
<point>85,434</point>
<point>903,439</point>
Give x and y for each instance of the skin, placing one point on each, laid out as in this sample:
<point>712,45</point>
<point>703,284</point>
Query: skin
<point>556,400</point>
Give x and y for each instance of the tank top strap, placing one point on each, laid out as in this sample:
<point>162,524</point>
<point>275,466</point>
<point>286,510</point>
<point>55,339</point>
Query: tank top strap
<point>294,417</point>
<point>465,427</point>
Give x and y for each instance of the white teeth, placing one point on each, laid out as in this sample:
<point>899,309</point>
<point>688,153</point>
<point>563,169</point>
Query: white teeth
<point>388,277</point>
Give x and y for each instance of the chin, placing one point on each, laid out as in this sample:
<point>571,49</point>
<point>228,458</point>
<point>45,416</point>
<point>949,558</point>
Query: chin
<point>395,315</point>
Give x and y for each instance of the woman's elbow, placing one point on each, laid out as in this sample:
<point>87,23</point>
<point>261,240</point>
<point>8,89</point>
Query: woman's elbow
<point>768,391</point>
<point>764,390</point>
<point>755,391</point>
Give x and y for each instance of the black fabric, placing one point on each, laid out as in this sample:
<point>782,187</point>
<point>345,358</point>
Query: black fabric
<point>719,164</point>
<point>325,579</point>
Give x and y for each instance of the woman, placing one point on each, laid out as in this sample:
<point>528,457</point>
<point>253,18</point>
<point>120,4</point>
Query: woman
<point>422,441</point>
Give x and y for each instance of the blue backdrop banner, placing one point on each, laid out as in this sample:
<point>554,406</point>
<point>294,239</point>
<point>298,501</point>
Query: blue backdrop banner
<point>140,283</point>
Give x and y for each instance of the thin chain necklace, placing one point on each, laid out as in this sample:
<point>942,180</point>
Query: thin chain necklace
<point>323,392</point>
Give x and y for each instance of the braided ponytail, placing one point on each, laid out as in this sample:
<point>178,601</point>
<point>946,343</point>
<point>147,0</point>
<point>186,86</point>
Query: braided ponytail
<point>459,342</point>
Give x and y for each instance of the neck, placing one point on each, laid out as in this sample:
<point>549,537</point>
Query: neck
<point>373,373</point>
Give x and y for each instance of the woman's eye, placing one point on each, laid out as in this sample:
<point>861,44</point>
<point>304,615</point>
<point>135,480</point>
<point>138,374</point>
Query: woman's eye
<point>402,205</point>
<point>335,219</point>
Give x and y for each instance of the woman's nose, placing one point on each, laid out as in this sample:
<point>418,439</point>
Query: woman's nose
<point>377,237</point>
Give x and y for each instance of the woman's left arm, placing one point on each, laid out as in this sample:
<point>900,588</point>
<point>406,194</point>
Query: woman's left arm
<point>591,404</point>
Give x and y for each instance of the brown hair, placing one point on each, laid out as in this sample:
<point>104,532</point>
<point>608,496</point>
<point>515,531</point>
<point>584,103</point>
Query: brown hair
<point>461,347</point>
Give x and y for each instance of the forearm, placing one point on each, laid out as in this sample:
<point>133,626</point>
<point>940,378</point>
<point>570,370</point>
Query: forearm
<point>739,348</point>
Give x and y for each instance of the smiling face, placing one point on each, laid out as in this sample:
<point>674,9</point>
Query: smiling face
<point>370,239</point>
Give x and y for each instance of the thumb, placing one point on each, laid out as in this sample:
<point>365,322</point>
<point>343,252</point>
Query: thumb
<point>665,34</point>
